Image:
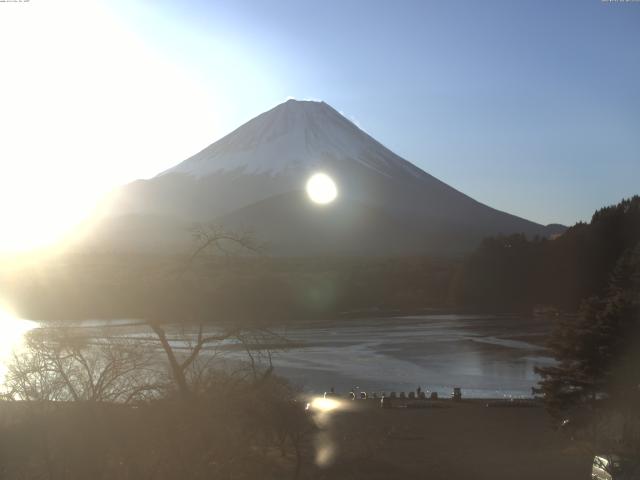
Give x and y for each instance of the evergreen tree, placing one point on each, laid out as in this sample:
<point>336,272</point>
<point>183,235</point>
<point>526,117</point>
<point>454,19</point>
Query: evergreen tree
<point>597,352</point>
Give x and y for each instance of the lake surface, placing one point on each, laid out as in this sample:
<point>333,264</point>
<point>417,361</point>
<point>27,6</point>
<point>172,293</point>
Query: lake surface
<point>487,356</point>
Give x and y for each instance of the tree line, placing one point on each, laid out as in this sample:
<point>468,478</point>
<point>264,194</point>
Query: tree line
<point>516,273</point>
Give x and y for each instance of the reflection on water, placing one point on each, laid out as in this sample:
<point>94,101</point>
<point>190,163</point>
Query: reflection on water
<point>322,410</point>
<point>12,331</point>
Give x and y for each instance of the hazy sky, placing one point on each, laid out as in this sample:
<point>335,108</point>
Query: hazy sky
<point>532,107</point>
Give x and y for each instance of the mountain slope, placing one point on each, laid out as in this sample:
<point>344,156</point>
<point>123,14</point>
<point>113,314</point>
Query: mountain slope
<point>253,178</point>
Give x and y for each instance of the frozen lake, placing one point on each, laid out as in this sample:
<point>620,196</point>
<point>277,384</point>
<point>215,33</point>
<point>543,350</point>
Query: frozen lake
<point>485,355</point>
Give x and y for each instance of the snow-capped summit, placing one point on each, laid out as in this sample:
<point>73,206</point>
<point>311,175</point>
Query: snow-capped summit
<point>295,134</point>
<point>255,177</point>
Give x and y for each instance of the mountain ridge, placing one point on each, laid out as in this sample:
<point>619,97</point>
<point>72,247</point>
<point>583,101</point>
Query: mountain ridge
<point>241,179</point>
<point>312,128</point>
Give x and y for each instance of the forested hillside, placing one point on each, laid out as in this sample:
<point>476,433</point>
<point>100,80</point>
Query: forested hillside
<point>516,273</point>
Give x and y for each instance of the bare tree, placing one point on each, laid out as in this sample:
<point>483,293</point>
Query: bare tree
<point>180,366</point>
<point>213,240</point>
<point>65,364</point>
<point>98,404</point>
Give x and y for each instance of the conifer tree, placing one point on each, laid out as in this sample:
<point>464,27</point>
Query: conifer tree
<point>598,352</point>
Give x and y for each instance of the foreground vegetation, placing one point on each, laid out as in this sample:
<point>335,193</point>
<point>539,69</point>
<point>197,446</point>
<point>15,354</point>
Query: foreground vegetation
<point>77,408</point>
<point>595,386</point>
<point>162,406</point>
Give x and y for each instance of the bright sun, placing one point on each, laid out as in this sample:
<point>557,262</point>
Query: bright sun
<point>78,117</point>
<point>321,188</point>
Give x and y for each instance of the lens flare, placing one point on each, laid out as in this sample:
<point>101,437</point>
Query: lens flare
<point>321,188</point>
<point>322,404</point>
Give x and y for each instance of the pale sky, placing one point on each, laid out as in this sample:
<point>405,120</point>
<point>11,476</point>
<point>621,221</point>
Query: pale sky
<point>531,107</point>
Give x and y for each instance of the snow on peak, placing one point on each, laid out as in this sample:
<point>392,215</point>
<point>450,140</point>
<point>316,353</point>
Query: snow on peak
<point>297,134</point>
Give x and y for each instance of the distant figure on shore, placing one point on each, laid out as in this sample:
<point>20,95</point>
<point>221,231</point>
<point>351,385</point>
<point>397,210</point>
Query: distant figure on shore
<point>457,394</point>
<point>418,391</point>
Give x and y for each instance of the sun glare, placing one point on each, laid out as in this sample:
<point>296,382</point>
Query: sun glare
<point>83,109</point>
<point>12,331</point>
<point>321,188</point>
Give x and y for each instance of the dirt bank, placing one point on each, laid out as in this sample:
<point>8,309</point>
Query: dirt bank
<point>463,440</point>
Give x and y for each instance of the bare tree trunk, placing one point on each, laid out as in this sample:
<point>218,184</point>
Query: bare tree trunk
<point>176,370</point>
<point>179,369</point>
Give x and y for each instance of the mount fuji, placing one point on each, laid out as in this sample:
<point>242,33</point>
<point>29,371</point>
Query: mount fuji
<point>254,179</point>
